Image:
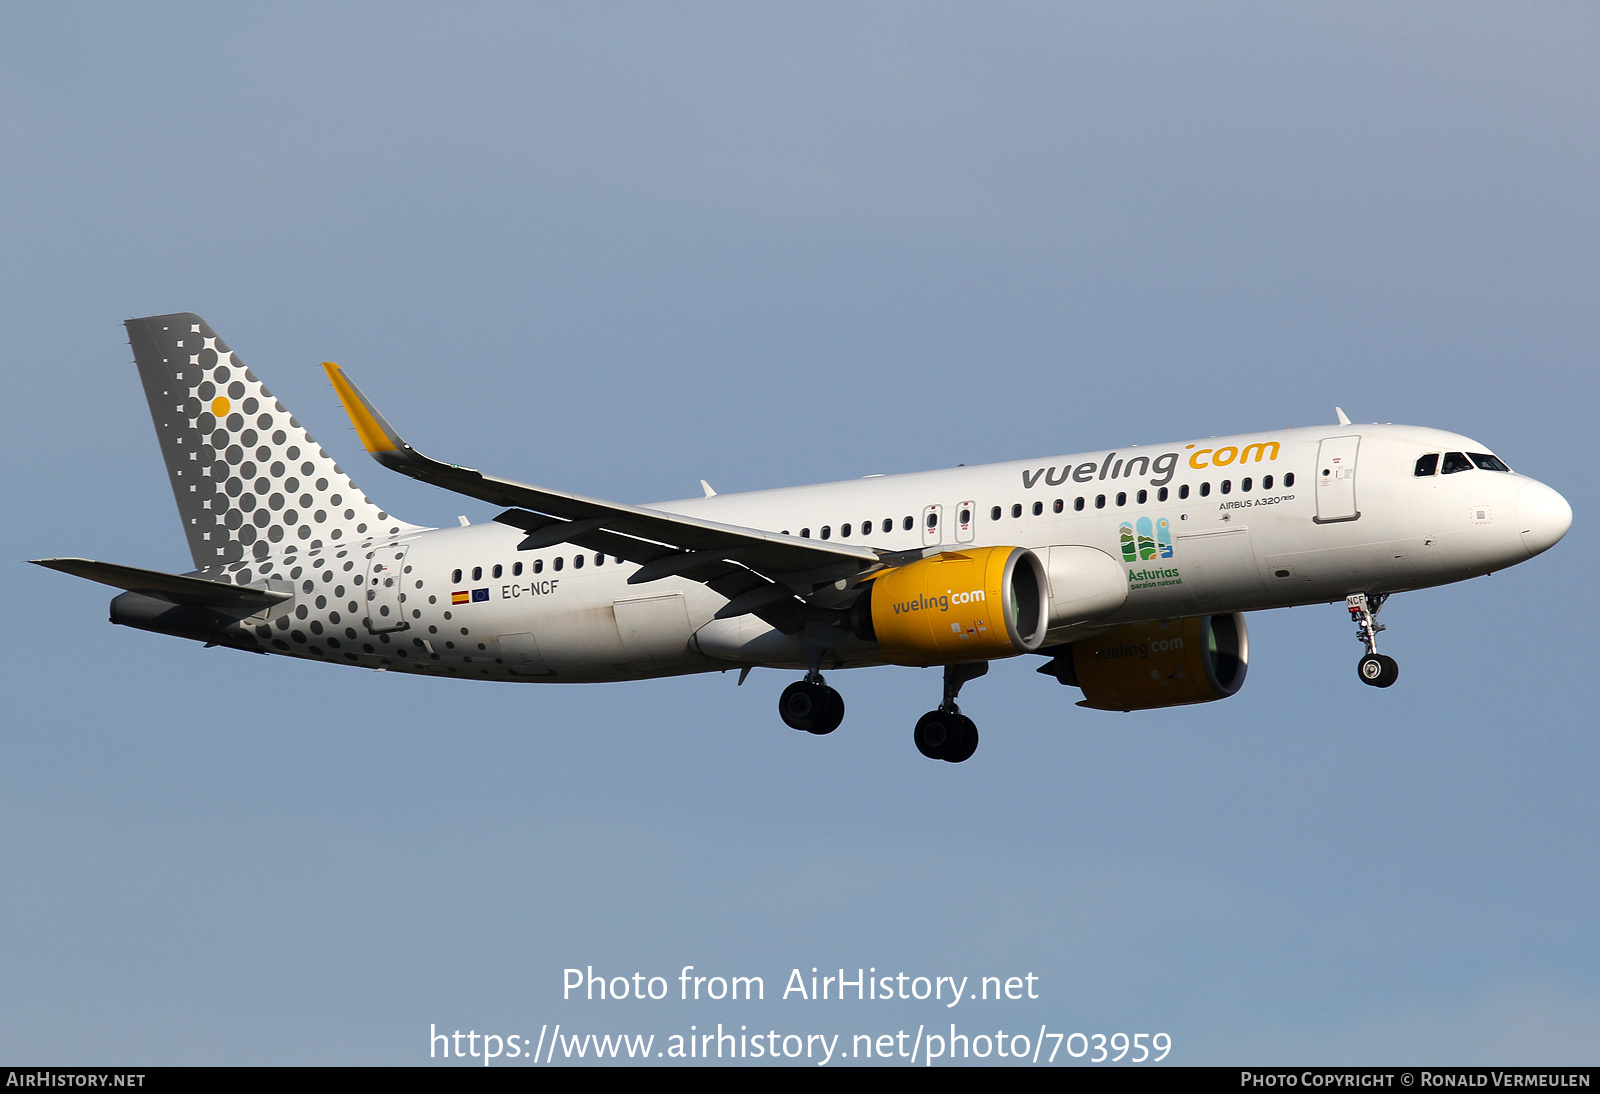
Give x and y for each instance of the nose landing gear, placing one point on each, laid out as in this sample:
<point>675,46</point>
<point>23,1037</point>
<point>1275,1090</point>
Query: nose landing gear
<point>811,705</point>
<point>947,734</point>
<point>1376,669</point>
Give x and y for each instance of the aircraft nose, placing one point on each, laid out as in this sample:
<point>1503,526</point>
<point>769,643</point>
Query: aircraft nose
<point>1543,515</point>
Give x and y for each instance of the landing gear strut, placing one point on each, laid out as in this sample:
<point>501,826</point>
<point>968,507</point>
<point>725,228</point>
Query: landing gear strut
<point>811,705</point>
<point>1375,668</point>
<point>947,734</point>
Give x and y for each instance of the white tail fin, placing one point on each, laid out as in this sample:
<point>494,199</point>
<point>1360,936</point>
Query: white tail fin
<point>249,480</point>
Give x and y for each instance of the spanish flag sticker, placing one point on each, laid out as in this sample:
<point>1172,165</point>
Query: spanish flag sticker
<point>459,597</point>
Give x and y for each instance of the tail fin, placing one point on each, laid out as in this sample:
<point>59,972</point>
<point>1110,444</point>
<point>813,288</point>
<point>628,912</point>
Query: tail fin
<point>249,480</point>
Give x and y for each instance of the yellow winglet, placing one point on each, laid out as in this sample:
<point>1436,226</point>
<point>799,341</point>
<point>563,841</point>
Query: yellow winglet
<point>375,433</point>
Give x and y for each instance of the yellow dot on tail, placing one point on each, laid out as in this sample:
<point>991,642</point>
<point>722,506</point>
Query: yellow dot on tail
<point>219,406</point>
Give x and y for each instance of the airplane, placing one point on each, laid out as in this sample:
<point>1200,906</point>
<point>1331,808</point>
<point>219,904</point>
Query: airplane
<point>1128,570</point>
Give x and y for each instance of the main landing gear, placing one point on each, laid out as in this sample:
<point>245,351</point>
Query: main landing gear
<point>811,705</point>
<point>1375,668</point>
<point>947,734</point>
<point>943,734</point>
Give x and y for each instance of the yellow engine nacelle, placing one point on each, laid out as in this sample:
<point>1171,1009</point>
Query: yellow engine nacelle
<point>976,605</point>
<point>1163,664</point>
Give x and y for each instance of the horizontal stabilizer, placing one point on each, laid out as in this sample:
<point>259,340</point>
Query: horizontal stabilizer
<point>170,587</point>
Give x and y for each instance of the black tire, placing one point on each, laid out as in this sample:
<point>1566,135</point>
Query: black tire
<point>935,731</point>
<point>1378,670</point>
<point>828,720</point>
<point>1391,670</point>
<point>964,743</point>
<point>804,705</point>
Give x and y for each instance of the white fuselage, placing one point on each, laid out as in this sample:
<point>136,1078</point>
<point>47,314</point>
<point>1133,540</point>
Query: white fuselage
<point>1227,524</point>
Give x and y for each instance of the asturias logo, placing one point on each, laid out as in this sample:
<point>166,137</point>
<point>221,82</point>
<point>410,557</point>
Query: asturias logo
<point>1154,540</point>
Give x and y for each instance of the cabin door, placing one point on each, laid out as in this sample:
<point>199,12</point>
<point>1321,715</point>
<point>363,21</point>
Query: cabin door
<point>385,574</point>
<point>1336,479</point>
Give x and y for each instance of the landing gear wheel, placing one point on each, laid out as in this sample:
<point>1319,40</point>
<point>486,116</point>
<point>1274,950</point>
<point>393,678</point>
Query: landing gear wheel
<point>933,732</point>
<point>832,716</point>
<point>801,704</point>
<point>1378,670</point>
<point>946,735</point>
<point>812,706</point>
<point>966,743</point>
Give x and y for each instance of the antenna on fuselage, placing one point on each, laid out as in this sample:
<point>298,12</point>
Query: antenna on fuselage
<point>1344,419</point>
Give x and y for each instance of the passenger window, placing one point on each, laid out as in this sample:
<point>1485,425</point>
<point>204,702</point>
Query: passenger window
<point>805,533</point>
<point>1183,491</point>
<point>497,570</point>
<point>966,516</point>
<point>827,531</point>
<point>888,524</point>
<point>1227,486</point>
<point>455,577</point>
<point>994,514</point>
<point>477,573</point>
<point>1288,480</point>
<point>1058,506</point>
<point>844,531</point>
<point>1205,490</point>
<point>516,569</point>
<point>1487,462</point>
<point>933,520</point>
<point>1099,501</point>
<point>1038,507</point>
<point>1143,496</point>
<point>577,562</point>
<point>866,527</point>
<point>1455,461</point>
<point>1266,482</point>
<point>910,523</point>
<point>1077,505</point>
<point>1245,485</point>
<point>556,565</point>
<point>600,558</point>
<point>1122,499</point>
<point>1161,495</point>
<point>1016,511</point>
<point>538,565</point>
<point>1427,465</point>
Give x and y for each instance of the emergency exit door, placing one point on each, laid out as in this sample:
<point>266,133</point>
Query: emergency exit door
<point>966,522</point>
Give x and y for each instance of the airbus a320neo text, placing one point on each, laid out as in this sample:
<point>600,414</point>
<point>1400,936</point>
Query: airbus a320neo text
<point>1128,571</point>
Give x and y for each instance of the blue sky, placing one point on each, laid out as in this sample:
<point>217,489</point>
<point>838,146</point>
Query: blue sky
<point>616,249</point>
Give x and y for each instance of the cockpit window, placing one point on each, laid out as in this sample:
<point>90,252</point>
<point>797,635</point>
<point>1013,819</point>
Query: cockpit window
<point>1488,462</point>
<point>1455,461</point>
<point>1427,465</point>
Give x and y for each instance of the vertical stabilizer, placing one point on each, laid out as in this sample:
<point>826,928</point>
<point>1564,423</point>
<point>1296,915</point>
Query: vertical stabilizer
<point>249,480</point>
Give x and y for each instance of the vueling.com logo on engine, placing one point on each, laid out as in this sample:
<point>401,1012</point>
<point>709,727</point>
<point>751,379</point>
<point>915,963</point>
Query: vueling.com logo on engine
<point>942,603</point>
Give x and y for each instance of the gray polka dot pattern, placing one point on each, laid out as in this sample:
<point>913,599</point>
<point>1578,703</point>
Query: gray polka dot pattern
<point>250,482</point>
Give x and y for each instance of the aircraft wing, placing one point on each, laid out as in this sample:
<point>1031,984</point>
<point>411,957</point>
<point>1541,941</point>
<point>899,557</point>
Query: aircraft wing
<point>170,587</point>
<point>757,570</point>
